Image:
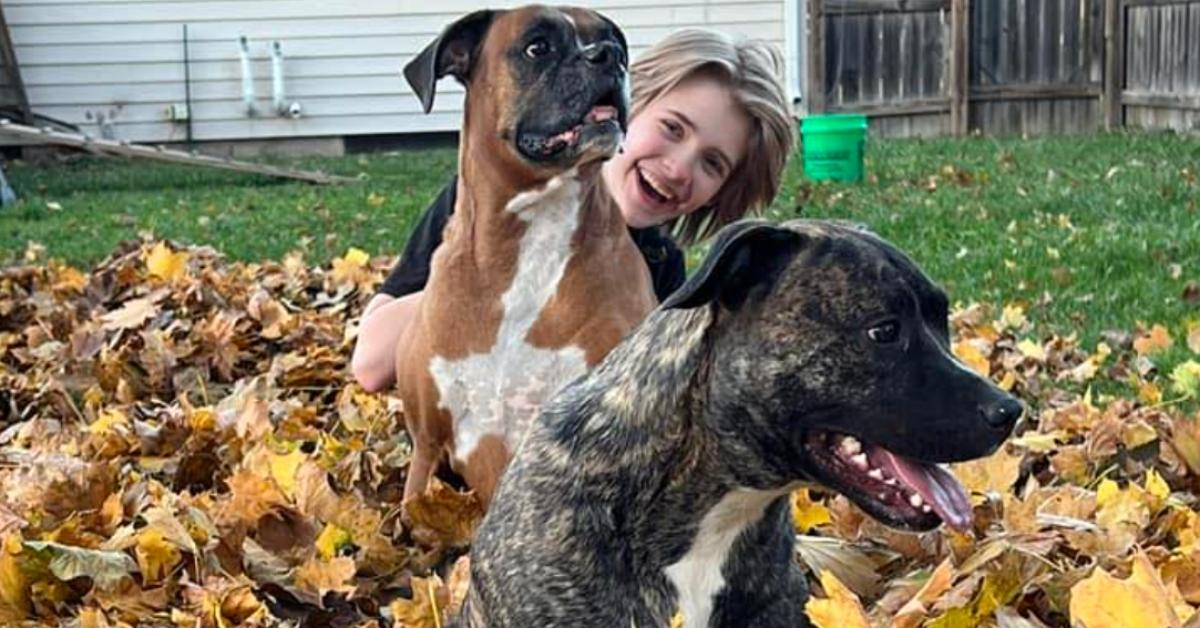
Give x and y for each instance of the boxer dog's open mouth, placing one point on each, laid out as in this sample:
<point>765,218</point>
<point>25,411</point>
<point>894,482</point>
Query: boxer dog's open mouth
<point>901,492</point>
<point>604,120</point>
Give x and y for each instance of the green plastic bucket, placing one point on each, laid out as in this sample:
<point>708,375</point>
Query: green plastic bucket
<point>833,146</point>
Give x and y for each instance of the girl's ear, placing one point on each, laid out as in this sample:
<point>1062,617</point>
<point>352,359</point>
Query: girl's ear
<point>746,257</point>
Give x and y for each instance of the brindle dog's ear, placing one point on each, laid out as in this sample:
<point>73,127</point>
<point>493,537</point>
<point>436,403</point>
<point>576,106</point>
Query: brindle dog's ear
<point>746,257</point>
<point>453,53</point>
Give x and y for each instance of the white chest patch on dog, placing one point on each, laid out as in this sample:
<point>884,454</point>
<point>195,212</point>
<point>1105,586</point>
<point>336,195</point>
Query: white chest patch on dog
<point>697,575</point>
<point>499,392</point>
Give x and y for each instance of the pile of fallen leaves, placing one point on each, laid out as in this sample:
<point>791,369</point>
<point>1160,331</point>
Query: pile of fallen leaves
<point>181,443</point>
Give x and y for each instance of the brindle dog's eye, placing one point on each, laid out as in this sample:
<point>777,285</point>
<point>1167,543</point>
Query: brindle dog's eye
<point>537,48</point>
<point>885,333</point>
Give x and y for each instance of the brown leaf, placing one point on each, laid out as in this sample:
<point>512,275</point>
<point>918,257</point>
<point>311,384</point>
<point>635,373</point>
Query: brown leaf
<point>444,516</point>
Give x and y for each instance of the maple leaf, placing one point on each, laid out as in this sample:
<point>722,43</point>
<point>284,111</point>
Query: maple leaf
<point>444,515</point>
<point>165,265</point>
<point>1185,379</point>
<point>318,577</point>
<point>425,609</point>
<point>1193,336</point>
<point>1157,340</point>
<point>131,315</point>
<point>994,474</point>
<point>106,569</point>
<point>250,497</point>
<point>156,556</point>
<point>331,541</point>
<point>1140,601</point>
<point>911,614</point>
<point>840,608</point>
<point>14,596</point>
<point>806,513</point>
<point>969,353</point>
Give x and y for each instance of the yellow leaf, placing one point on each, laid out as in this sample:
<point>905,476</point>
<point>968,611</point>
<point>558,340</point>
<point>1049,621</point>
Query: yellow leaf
<point>331,540</point>
<point>107,421</point>
<point>357,257</point>
<point>163,264</point>
<point>967,352</point>
<point>1156,485</point>
<point>156,556</point>
<point>283,470</point>
<point>1117,507</point>
<point>1149,393</point>
<point>14,590</point>
<point>1193,336</point>
<point>375,200</point>
<point>841,609</point>
<point>994,474</point>
<point>1013,317</point>
<point>1185,379</point>
<point>1156,340</point>
<point>321,576</point>
<point>1031,349</point>
<point>807,514</point>
<point>1038,442</point>
<point>424,610</point>
<point>1140,601</point>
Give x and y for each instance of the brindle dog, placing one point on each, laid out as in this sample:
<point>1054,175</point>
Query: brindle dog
<point>810,352</point>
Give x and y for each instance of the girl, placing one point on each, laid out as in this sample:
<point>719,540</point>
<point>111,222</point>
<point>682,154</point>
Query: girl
<point>709,134</point>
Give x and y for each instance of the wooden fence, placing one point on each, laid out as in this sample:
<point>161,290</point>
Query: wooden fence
<point>935,67</point>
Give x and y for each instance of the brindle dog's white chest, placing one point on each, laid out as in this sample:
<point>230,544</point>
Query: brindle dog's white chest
<point>499,392</point>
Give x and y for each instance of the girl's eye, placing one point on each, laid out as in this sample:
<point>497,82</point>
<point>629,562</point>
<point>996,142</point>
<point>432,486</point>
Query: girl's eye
<point>537,48</point>
<point>715,166</point>
<point>672,128</point>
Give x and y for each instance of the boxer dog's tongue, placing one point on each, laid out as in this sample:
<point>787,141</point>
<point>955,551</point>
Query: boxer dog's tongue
<point>934,484</point>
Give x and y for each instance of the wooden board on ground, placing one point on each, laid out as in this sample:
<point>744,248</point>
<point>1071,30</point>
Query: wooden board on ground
<point>158,153</point>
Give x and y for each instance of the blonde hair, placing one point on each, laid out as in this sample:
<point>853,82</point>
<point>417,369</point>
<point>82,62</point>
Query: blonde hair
<point>753,72</point>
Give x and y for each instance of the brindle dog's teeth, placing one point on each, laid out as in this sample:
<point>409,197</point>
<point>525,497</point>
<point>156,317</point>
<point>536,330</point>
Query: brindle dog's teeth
<point>850,445</point>
<point>860,461</point>
<point>916,501</point>
<point>875,474</point>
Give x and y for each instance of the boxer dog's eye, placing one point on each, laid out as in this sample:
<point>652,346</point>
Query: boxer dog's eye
<point>537,48</point>
<point>884,333</point>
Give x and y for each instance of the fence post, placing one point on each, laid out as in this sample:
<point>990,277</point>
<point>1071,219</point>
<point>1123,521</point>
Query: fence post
<point>960,77</point>
<point>816,56</point>
<point>1114,63</point>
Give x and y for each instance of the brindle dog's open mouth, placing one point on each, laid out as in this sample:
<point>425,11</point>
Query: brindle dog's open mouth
<point>606,115</point>
<point>898,491</point>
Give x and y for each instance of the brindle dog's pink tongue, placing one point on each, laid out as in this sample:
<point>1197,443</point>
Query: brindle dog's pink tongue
<point>935,485</point>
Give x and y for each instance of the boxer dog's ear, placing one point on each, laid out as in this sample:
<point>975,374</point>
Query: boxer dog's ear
<point>453,53</point>
<point>745,259</point>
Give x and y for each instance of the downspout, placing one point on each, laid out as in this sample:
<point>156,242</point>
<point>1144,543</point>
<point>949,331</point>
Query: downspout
<point>795,39</point>
<point>247,79</point>
<point>282,108</point>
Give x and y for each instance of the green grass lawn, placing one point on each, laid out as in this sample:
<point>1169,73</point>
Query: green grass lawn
<point>1091,233</point>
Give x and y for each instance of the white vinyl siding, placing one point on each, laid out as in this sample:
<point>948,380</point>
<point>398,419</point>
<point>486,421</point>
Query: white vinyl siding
<point>124,60</point>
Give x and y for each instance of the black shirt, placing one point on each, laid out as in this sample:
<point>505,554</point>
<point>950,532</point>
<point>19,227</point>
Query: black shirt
<point>411,272</point>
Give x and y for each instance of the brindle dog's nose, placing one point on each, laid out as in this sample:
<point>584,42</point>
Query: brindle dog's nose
<point>1002,413</point>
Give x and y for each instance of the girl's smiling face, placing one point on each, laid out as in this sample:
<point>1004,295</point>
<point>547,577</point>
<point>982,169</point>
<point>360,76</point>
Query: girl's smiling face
<point>678,153</point>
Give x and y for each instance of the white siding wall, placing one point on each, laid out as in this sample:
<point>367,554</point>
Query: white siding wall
<point>123,59</point>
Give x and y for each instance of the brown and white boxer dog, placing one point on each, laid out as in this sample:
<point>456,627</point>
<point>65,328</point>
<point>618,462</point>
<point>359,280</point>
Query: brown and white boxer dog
<point>537,277</point>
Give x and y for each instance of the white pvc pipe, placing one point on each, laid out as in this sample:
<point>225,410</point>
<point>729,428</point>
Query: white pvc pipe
<point>247,78</point>
<point>277,79</point>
